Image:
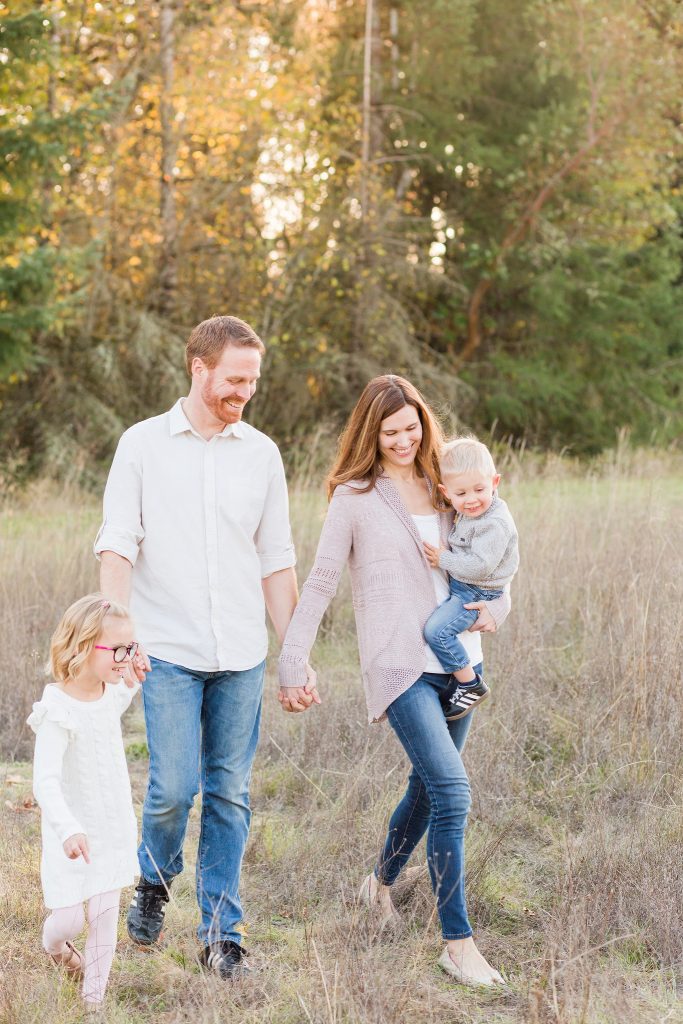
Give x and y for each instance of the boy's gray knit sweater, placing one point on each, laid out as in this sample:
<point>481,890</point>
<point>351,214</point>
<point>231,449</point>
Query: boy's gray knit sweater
<point>483,551</point>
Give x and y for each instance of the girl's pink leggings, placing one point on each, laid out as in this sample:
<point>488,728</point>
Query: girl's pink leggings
<point>66,922</point>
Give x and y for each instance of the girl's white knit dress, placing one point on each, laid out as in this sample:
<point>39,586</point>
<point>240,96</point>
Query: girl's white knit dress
<point>80,780</point>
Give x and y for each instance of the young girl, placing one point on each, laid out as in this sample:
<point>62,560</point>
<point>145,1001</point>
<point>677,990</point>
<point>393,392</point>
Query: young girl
<point>80,781</point>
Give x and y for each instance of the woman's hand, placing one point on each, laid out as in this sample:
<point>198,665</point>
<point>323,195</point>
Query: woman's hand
<point>76,846</point>
<point>300,698</point>
<point>485,622</point>
<point>432,554</point>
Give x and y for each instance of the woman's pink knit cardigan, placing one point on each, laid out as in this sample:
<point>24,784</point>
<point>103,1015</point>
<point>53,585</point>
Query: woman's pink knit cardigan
<point>393,591</point>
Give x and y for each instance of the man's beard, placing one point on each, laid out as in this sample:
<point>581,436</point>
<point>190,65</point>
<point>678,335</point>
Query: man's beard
<point>220,408</point>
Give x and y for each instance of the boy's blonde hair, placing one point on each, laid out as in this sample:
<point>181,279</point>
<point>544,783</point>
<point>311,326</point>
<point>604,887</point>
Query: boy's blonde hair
<point>466,455</point>
<point>76,635</point>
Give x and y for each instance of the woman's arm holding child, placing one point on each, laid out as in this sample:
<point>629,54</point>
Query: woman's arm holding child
<point>492,614</point>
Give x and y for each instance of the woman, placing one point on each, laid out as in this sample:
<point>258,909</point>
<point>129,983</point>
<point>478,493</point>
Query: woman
<point>384,504</point>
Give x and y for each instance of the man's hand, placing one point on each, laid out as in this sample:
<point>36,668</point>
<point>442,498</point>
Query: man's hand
<point>300,698</point>
<point>76,846</point>
<point>135,670</point>
<point>485,623</point>
<point>432,554</point>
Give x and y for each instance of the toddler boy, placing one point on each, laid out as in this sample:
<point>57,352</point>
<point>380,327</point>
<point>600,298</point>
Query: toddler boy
<point>481,559</point>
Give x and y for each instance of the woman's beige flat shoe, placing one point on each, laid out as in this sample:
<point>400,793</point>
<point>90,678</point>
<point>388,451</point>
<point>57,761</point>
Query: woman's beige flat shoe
<point>369,897</point>
<point>447,964</point>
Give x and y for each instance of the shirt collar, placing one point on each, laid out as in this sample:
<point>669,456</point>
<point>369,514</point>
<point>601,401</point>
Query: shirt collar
<point>179,423</point>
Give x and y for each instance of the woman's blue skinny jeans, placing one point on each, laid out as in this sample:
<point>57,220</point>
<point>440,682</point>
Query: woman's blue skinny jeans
<point>436,800</point>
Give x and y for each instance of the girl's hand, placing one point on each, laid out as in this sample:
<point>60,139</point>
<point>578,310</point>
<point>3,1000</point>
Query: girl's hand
<point>485,623</point>
<point>76,846</point>
<point>432,554</point>
<point>134,671</point>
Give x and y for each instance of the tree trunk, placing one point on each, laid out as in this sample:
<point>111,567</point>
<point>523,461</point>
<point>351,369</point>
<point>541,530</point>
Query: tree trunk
<point>393,32</point>
<point>371,144</point>
<point>168,271</point>
<point>49,182</point>
<point>366,110</point>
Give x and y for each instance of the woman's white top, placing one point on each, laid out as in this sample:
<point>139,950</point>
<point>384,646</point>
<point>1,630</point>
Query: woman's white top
<point>428,528</point>
<point>80,780</point>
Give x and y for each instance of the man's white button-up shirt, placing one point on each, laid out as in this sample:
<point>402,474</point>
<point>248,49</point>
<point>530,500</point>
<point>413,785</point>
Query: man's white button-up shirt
<point>201,522</point>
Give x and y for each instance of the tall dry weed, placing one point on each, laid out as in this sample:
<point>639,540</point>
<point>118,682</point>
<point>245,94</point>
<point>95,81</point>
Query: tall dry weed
<point>574,863</point>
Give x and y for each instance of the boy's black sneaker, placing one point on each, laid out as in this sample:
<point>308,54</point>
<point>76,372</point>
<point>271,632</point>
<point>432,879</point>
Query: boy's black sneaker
<point>146,913</point>
<point>460,699</point>
<point>226,958</point>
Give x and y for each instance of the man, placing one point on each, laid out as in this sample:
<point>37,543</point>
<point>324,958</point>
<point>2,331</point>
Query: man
<point>196,538</point>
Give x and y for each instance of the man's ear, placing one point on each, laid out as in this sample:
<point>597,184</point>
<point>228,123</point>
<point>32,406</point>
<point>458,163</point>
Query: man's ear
<point>197,366</point>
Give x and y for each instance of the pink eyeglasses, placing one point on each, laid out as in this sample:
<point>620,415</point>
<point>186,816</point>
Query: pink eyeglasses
<point>121,652</point>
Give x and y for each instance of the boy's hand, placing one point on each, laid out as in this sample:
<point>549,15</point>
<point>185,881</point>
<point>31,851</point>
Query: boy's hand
<point>432,554</point>
<point>76,846</point>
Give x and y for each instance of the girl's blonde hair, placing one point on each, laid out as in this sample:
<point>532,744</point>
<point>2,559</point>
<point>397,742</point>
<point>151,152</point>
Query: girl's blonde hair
<point>76,635</point>
<point>358,455</point>
<point>466,455</point>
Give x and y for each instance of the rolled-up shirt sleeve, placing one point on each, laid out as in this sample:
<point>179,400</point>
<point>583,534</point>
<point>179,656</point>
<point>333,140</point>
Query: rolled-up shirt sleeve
<point>273,537</point>
<point>122,531</point>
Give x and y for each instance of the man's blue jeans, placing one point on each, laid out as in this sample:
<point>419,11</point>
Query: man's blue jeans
<point>450,618</point>
<point>436,801</point>
<point>202,730</point>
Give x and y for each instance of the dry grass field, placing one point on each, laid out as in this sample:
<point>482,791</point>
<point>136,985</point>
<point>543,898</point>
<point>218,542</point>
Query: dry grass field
<point>575,844</point>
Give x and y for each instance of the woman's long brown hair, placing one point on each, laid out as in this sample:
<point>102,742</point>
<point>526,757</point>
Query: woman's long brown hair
<point>358,455</point>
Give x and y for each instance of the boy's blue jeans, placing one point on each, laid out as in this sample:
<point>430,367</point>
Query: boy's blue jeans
<point>436,801</point>
<point>450,618</point>
<point>202,729</point>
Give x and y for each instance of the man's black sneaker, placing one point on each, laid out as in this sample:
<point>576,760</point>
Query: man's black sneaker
<point>226,958</point>
<point>459,700</point>
<point>146,912</point>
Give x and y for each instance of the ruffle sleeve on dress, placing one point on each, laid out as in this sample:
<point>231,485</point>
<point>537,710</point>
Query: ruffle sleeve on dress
<point>54,727</point>
<point>45,711</point>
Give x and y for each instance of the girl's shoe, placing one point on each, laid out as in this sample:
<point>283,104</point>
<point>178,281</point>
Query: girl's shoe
<point>71,961</point>
<point>369,897</point>
<point>447,964</point>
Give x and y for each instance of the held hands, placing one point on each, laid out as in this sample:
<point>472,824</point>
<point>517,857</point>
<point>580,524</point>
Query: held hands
<point>76,846</point>
<point>300,698</point>
<point>134,670</point>
<point>432,554</point>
